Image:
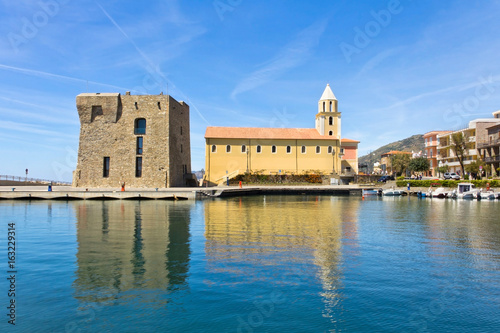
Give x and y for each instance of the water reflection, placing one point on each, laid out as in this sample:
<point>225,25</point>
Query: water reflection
<point>124,246</point>
<point>280,237</point>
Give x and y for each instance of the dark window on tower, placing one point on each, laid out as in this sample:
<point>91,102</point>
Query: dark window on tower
<point>330,133</point>
<point>330,120</point>
<point>138,166</point>
<point>105,167</point>
<point>140,126</point>
<point>139,145</point>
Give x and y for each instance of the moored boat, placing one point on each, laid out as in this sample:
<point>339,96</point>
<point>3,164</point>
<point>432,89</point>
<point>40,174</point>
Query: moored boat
<point>488,195</point>
<point>440,192</point>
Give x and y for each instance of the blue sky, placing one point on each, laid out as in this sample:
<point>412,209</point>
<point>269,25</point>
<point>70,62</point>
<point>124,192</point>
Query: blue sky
<point>398,68</point>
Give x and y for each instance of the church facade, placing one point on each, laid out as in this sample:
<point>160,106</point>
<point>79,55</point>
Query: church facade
<point>237,150</point>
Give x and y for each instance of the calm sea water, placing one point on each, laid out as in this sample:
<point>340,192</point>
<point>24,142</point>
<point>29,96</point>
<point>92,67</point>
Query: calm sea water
<point>255,264</point>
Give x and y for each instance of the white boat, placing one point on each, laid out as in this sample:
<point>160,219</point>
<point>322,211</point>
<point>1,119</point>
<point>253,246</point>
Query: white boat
<point>393,192</point>
<point>467,191</point>
<point>440,192</point>
<point>488,195</point>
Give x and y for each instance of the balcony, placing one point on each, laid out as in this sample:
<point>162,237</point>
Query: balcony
<point>489,144</point>
<point>492,159</point>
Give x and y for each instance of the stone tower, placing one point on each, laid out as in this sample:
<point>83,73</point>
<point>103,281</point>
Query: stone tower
<point>140,140</point>
<point>328,117</point>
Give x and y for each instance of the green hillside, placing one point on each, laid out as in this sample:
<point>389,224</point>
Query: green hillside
<point>414,143</point>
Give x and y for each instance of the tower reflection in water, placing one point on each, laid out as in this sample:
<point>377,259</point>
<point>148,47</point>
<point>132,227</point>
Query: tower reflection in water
<point>127,245</point>
<point>291,242</point>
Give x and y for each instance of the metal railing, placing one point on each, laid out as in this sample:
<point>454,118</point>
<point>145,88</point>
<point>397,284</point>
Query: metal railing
<point>486,144</point>
<point>492,159</point>
<point>32,180</point>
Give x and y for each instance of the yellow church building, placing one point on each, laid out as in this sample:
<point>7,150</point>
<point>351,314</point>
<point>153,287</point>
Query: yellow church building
<point>237,150</point>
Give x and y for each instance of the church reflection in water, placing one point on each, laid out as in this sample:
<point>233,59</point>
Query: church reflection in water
<point>294,239</point>
<point>126,245</point>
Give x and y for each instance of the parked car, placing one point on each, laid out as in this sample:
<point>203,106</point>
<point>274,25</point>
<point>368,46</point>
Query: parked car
<point>451,175</point>
<point>385,178</point>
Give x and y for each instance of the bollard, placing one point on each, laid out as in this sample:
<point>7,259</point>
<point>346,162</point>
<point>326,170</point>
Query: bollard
<point>123,187</point>
<point>240,183</point>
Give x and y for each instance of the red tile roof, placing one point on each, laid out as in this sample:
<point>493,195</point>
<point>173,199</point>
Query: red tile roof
<point>265,133</point>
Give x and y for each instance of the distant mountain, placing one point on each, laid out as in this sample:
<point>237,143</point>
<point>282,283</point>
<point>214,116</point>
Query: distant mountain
<point>414,143</point>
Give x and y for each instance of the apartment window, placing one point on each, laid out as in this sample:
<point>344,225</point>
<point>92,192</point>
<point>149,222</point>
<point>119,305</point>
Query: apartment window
<point>140,126</point>
<point>330,149</point>
<point>259,149</point>
<point>243,148</point>
<point>228,148</point>
<point>139,145</point>
<point>288,149</point>
<point>105,167</point>
<point>330,133</point>
<point>430,153</point>
<point>318,149</point>
<point>303,149</point>
<point>330,120</point>
<point>273,149</point>
<point>342,150</point>
<point>214,148</point>
<point>138,166</point>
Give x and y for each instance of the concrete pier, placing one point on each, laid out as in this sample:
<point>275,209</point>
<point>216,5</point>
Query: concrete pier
<point>188,193</point>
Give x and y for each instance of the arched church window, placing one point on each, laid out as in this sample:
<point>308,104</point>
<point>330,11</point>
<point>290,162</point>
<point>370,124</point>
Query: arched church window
<point>318,149</point>
<point>330,120</point>
<point>330,133</point>
<point>140,126</point>
<point>228,148</point>
<point>259,149</point>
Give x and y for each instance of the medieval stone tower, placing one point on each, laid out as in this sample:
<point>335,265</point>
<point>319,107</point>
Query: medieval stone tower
<point>140,140</point>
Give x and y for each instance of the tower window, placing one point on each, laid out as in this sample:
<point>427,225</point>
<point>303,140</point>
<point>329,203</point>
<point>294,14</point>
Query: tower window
<point>330,133</point>
<point>136,107</point>
<point>318,149</point>
<point>140,126</point>
<point>331,106</point>
<point>105,167</point>
<point>159,105</point>
<point>138,166</point>
<point>324,106</point>
<point>273,149</point>
<point>303,149</point>
<point>139,145</point>
<point>259,149</point>
<point>288,149</point>
<point>330,120</point>
<point>228,148</point>
<point>243,148</point>
<point>330,149</point>
<point>96,112</point>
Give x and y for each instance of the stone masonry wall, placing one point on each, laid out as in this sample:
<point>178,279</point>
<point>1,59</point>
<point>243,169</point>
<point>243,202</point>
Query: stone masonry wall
<point>110,133</point>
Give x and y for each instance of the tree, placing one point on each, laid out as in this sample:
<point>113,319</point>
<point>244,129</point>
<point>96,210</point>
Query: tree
<point>419,164</point>
<point>459,142</point>
<point>443,169</point>
<point>473,168</point>
<point>400,162</point>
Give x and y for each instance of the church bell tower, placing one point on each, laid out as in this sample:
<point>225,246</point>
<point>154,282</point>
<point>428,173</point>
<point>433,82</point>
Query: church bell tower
<point>328,117</point>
